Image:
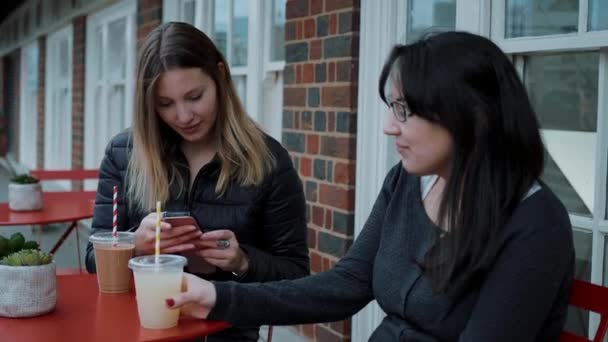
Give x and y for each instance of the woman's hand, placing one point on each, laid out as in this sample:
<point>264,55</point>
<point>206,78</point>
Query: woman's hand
<point>197,298</point>
<point>172,239</point>
<point>221,248</point>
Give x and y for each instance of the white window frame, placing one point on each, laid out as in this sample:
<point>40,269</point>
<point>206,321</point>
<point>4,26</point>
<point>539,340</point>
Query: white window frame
<point>264,85</point>
<point>57,156</point>
<point>582,40</point>
<point>125,9</point>
<point>28,121</point>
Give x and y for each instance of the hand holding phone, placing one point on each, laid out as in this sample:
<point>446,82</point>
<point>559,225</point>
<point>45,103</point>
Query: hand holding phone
<point>179,218</point>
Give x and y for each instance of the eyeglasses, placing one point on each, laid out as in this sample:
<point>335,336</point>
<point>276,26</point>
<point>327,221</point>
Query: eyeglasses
<point>400,109</point>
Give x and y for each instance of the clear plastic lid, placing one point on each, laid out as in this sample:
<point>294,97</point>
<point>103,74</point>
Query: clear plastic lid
<point>106,237</point>
<point>165,261</point>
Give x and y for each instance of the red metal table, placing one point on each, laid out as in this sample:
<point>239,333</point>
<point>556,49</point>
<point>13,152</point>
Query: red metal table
<point>85,314</point>
<point>58,207</point>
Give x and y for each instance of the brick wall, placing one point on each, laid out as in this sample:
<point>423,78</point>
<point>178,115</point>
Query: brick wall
<point>319,128</point>
<point>12,66</point>
<point>3,115</point>
<point>41,102</point>
<point>149,15</point>
<point>78,70</point>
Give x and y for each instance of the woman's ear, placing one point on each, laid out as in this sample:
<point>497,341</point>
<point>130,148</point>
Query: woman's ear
<point>222,69</point>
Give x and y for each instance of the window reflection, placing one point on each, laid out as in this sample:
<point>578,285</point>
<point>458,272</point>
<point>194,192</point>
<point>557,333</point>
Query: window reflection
<point>563,91</point>
<point>540,17</point>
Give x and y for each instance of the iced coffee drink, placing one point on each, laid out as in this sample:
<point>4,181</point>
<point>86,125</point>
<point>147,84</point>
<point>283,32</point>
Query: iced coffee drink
<point>112,260</point>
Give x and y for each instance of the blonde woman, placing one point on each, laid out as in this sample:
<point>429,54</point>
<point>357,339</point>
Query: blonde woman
<point>193,147</point>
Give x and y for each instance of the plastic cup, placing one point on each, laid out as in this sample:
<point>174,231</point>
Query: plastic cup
<point>153,284</point>
<point>112,262</point>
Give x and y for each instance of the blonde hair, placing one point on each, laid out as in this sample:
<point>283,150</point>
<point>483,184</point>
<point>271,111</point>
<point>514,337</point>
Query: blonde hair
<point>244,155</point>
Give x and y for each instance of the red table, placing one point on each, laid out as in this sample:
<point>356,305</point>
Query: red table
<point>57,207</point>
<point>85,314</point>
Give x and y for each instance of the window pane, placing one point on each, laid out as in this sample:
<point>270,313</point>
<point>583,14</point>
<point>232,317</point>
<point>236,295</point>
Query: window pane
<point>188,12</point>
<point>563,91</point>
<point>430,16</point>
<point>220,25</point>
<point>116,62</point>
<point>598,15</point>
<point>116,109</point>
<point>240,83</point>
<point>277,31</point>
<point>64,61</point>
<point>240,29</point>
<point>577,321</point>
<point>540,17</point>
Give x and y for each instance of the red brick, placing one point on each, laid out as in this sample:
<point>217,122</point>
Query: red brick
<point>316,48</point>
<point>308,73</point>
<point>326,264</point>
<point>332,5</point>
<point>331,122</point>
<point>316,6</point>
<point>318,216</point>
<point>299,30</point>
<point>337,197</point>
<point>333,24</point>
<point>344,173</point>
<point>312,144</point>
<point>316,262</point>
<point>296,9</point>
<point>341,327</point>
<point>312,238</point>
<point>294,96</point>
<point>328,219</point>
<point>305,167</point>
<point>338,147</point>
<point>296,119</point>
<point>338,96</point>
<point>331,71</point>
<point>299,73</point>
<point>308,330</point>
<point>309,28</point>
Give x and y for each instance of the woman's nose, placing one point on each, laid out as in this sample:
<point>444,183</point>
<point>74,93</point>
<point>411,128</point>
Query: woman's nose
<point>391,125</point>
<point>184,114</point>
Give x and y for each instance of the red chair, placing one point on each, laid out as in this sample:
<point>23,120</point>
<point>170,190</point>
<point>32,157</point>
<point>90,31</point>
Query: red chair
<point>593,298</point>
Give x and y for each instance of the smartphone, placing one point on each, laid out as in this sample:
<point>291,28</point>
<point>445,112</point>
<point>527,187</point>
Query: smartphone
<point>179,218</point>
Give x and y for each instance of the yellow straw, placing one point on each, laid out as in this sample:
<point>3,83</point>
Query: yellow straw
<point>157,249</point>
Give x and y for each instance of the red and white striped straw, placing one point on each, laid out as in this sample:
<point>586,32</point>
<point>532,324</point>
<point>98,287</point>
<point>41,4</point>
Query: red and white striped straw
<point>114,216</point>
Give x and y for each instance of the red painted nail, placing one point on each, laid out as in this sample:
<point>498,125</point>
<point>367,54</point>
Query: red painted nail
<point>170,302</point>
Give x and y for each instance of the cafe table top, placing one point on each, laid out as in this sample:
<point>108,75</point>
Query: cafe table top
<point>84,314</point>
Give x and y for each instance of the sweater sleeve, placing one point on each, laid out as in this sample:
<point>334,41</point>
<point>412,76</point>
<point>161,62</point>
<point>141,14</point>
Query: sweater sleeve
<point>283,233</point>
<point>324,297</point>
<point>532,273</point>
<point>109,176</point>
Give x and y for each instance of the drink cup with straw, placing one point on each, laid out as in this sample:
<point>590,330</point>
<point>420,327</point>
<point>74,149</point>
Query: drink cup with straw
<point>112,253</point>
<point>157,277</point>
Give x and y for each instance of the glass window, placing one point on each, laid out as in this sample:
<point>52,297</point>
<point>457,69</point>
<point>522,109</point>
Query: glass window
<point>277,31</point>
<point>240,29</point>
<point>188,11</point>
<point>577,321</point>
<point>220,26</point>
<point>540,17</point>
<point>563,91</point>
<point>117,51</point>
<point>598,15</point>
<point>430,16</point>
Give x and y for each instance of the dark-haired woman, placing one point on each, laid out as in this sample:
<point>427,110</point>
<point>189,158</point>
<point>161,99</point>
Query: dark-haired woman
<point>464,243</point>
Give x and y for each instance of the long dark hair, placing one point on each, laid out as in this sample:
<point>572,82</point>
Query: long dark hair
<point>466,84</point>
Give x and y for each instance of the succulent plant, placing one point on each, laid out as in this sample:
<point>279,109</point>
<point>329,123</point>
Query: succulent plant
<point>24,179</point>
<point>14,244</point>
<point>27,257</point>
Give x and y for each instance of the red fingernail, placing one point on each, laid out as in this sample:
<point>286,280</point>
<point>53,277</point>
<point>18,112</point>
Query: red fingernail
<point>170,302</point>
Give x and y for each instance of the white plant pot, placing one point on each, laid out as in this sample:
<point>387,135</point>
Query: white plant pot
<point>27,291</point>
<point>24,197</point>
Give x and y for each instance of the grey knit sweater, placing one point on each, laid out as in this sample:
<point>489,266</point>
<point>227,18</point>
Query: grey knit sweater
<point>521,296</point>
